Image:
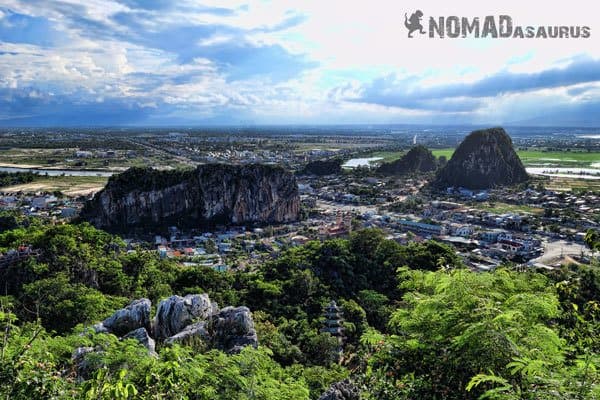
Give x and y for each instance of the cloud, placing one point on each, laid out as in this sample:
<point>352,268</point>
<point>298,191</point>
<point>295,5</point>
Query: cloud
<point>412,93</point>
<point>21,28</point>
<point>166,61</point>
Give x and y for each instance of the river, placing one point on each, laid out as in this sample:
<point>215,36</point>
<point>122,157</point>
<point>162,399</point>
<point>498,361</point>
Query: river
<point>58,172</point>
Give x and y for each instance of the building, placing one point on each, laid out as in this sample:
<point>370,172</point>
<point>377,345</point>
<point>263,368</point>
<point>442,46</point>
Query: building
<point>422,228</point>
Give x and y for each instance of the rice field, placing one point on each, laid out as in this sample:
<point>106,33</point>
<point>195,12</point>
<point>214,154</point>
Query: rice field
<point>68,185</point>
<point>529,157</point>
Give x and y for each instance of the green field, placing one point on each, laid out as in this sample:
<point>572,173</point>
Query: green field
<point>68,185</point>
<point>529,158</point>
<point>501,208</point>
<point>559,158</point>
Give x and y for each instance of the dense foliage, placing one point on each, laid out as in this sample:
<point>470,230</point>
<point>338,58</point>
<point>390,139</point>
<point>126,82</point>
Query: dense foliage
<point>417,324</point>
<point>16,178</point>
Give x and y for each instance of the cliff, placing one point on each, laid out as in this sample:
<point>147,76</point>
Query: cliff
<point>418,159</point>
<point>483,160</point>
<point>209,194</point>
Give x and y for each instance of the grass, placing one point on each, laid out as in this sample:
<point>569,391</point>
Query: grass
<point>387,156</point>
<point>68,185</point>
<point>443,152</point>
<point>561,184</point>
<point>559,158</point>
<point>65,159</point>
<point>501,208</point>
<point>544,158</point>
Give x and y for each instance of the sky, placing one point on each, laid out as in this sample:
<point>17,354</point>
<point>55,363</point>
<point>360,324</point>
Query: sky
<point>185,62</point>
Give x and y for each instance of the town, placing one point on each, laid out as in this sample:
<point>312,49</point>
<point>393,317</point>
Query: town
<point>533,225</point>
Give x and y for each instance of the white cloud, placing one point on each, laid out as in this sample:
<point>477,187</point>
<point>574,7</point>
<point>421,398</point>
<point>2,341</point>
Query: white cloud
<point>352,42</point>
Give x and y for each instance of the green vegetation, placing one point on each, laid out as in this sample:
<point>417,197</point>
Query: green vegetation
<point>417,324</point>
<point>16,178</point>
<point>539,157</point>
<point>68,185</point>
<point>556,158</point>
<point>501,208</point>
<point>559,158</point>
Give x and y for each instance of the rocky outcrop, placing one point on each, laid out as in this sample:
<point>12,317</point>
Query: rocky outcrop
<point>232,329</point>
<point>83,366</point>
<point>485,159</point>
<point>209,194</point>
<point>135,315</point>
<point>323,167</point>
<point>175,313</point>
<point>418,159</point>
<point>184,320</point>
<point>142,336</point>
<point>344,390</point>
<point>191,334</point>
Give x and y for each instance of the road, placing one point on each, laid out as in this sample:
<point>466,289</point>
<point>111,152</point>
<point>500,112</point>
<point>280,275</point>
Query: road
<point>556,250</point>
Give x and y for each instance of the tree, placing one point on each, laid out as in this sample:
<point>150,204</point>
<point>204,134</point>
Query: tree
<point>460,335</point>
<point>592,240</point>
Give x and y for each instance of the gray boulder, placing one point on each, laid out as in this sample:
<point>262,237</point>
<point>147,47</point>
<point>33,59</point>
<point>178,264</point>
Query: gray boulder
<point>344,390</point>
<point>100,328</point>
<point>232,329</point>
<point>176,312</point>
<point>83,366</point>
<point>192,334</point>
<point>141,335</point>
<point>135,315</point>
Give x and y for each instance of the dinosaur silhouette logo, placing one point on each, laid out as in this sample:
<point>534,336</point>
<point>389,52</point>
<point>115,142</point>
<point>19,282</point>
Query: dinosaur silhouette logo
<point>414,23</point>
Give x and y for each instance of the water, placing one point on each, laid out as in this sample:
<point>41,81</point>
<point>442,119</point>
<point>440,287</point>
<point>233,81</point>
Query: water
<point>360,162</point>
<point>589,136</point>
<point>583,173</point>
<point>58,172</point>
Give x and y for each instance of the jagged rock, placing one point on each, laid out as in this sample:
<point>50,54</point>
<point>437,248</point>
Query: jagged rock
<point>232,329</point>
<point>190,334</point>
<point>135,315</point>
<point>344,390</point>
<point>100,328</point>
<point>142,336</point>
<point>190,320</point>
<point>485,159</point>
<point>211,193</point>
<point>83,367</point>
<point>176,312</point>
<point>418,159</point>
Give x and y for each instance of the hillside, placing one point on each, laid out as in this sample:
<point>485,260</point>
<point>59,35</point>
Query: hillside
<point>503,334</point>
<point>322,167</point>
<point>418,159</point>
<point>484,159</point>
<point>211,193</point>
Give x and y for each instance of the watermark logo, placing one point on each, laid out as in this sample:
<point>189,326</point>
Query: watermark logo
<point>414,23</point>
<point>490,26</point>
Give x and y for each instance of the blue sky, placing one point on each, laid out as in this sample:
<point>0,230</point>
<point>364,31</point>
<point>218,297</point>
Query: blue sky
<point>162,62</point>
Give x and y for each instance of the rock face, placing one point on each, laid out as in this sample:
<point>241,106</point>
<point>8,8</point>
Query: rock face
<point>142,336</point>
<point>190,334</point>
<point>232,329</point>
<point>135,315</point>
<point>184,320</point>
<point>323,167</point>
<point>485,159</point>
<point>418,159</point>
<point>175,313</point>
<point>344,390</point>
<point>209,194</point>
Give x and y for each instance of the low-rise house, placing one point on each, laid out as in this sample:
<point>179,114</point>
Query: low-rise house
<point>420,227</point>
<point>464,231</point>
